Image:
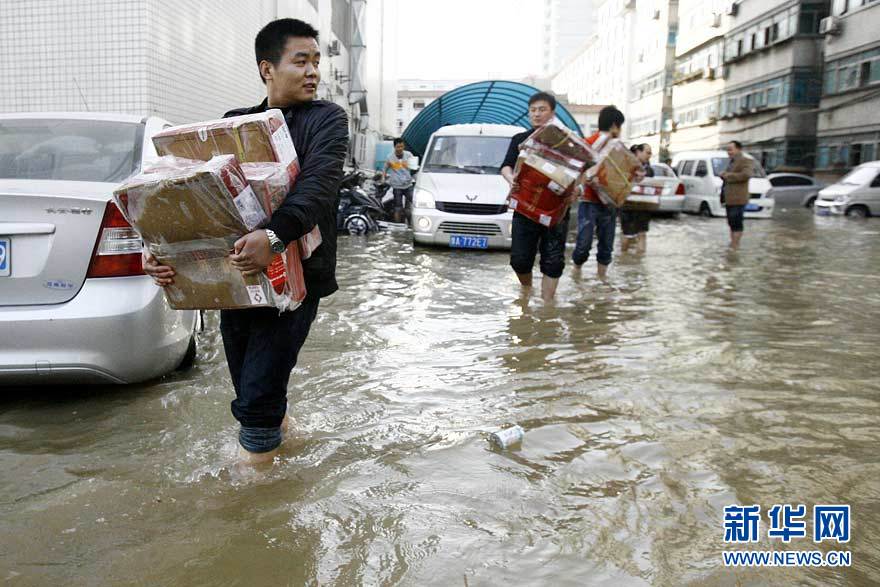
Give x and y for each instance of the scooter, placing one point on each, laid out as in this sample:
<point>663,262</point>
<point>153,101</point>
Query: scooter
<point>357,211</point>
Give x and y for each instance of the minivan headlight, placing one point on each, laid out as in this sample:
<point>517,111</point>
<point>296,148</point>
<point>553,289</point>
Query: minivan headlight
<point>423,199</point>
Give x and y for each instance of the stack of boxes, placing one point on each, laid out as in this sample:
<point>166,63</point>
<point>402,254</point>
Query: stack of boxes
<point>215,182</point>
<point>550,166</point>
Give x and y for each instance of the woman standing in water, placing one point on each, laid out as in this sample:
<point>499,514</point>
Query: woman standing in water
<point>635,223</point>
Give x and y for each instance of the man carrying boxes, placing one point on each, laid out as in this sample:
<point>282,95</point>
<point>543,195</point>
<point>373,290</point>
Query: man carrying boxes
<point>541,183</point>
<point>262,345</point>
<point>597,212</point>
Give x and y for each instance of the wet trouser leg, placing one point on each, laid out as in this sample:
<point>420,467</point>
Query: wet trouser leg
<point>261,348</point>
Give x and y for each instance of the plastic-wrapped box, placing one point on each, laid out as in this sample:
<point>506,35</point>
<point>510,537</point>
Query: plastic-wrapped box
<point>556,171</point>
<point>538,197</point>
<point>252,138</point>
<point>271,183</point>
<point>613,173</point>
<point>556,141</point>
<point>189,215</point>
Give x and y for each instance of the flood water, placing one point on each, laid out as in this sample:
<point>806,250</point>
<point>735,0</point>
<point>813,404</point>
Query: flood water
<point>695,379</point>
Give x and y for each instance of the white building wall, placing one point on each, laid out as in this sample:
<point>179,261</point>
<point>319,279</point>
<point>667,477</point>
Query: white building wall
<point>601,72</point>
<point>567,24</point>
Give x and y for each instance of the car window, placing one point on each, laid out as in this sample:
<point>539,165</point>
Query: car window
<point>702,169</point>
<point>466,154</point>
<point>687,168</point>
<point>71,150</point>
<point>789,180</point>
<point>662,171</point>
<point>876,182</point>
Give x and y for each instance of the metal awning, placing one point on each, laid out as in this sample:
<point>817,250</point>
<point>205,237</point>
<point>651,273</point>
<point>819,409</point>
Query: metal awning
<point>495,102</point>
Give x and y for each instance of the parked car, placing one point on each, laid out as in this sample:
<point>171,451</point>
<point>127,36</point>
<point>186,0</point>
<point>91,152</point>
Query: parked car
<point>664,184</point>
<point>460,197</point>
<point>75,305</point>
<point>794,189</point>
<point>700,171</point>
<point>856,194</point>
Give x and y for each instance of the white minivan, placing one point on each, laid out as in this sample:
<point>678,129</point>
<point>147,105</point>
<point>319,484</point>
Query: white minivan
<point>460,197</point>
<point>700,171</point>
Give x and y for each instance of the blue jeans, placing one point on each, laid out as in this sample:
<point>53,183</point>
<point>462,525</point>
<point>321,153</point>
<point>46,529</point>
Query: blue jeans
<point>261,349</point>
<point>598,219</point>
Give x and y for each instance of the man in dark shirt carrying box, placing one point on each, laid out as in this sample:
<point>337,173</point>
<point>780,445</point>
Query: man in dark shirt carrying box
<point>261,345</point>
<point>529,237</point>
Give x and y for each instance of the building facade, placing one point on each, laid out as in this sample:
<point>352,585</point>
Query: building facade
<point>414,94</point>
<point>600,73</point>
<point>649,111</point>
<point>698,80</point>
<point>180,61</point>
<point>566,24</point>
<point>848,123</point>
<point>773,71</point>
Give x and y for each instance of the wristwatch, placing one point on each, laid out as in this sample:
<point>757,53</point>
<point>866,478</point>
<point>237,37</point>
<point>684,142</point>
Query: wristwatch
<point>274,242</point>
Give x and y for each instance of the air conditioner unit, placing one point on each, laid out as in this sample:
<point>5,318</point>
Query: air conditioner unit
<point>830,26</point>
<point>733,9</point>
<point>333,48</point>
<point>709,73</point>
<point>716,20</point>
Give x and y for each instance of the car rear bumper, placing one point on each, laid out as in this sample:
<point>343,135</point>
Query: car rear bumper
<point>764,208</point>
<point>671,204</point>
<point>116,330</point>
<point>432,227</point>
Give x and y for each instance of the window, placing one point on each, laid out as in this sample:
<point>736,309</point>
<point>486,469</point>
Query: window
<point>790,180</point>
<point>419,105</point>
<point>702,169</point>
<point>687,168</point>
<point>855,154</point>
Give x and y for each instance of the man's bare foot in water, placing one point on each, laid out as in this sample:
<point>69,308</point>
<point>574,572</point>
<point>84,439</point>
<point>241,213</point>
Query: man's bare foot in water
<point>259,458</point>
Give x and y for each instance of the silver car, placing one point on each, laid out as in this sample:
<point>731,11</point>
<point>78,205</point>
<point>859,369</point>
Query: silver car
<point>75,305</point>
<point>794,190</point>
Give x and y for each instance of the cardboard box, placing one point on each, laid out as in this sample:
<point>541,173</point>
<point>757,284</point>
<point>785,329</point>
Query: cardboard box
<point>556,141</point>
<point>612,176</point>
<point>271,182</point>
<point>537,197</point>
<point>252,138</point>
<point>188,214</point>
<point>555,171</point>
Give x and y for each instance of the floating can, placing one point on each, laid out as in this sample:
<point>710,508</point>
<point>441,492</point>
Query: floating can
<point>507,437</point>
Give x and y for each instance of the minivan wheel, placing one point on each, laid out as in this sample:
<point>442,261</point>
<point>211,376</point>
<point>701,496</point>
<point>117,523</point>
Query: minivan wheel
<point>189,358</point>
<point>858,212</point>
<point>705,211</point>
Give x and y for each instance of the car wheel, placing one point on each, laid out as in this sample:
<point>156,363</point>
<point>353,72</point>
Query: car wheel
<point>705,210</point>
<point>189,358</point>
<point>357,224</point>
<point>811,202</point>
<point>858,212</point>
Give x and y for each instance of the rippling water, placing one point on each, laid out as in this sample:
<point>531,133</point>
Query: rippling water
<point>693,380</point>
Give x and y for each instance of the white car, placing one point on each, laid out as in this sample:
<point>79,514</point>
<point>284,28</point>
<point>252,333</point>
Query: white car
<point>794,190</point>
<point>700,171</point>
<point>856,194</point>
<point>75,305</point>
<point>460,197</point>
<point>664,184</point>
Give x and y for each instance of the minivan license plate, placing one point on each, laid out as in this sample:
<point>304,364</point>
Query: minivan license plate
<point>5,256</point>
<point>468,242</point>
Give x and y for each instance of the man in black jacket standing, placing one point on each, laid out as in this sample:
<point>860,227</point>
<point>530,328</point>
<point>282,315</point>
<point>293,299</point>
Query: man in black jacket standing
<point>261,345</point>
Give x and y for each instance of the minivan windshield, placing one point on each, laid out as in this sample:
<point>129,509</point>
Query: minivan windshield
<point>466,154</point>
<point>860,176</point>
<point>719,166</point>
<point>71,150</point>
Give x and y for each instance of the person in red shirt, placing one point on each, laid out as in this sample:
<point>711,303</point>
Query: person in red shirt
<point>594,217</point>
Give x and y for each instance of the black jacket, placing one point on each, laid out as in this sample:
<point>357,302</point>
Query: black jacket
<point>320,134</point>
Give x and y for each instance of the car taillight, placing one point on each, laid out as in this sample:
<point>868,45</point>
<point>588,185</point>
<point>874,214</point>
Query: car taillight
<point>118,249</point>
<point>679,191</point>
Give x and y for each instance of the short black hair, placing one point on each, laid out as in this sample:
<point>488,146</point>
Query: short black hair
<point>272,38</point>
<point>399,141</point>
<point>638,148</point>
<point>609,116</point>
<point>737,144</point>
<point>544,97</point>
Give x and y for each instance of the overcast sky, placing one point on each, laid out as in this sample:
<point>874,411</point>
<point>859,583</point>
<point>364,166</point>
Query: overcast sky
<point>469,39</point>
